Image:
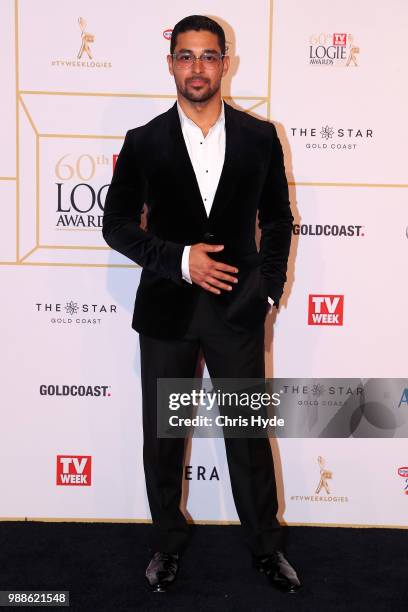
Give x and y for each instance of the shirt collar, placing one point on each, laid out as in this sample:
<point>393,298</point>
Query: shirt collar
<point>184,120</point>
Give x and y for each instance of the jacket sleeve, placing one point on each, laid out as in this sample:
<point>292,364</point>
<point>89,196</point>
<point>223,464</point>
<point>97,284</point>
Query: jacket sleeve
<point>121,220</point>
<point>275,222</point>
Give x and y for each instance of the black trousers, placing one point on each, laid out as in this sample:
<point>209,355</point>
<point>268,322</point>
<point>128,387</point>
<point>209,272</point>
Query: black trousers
<point>228,354</point>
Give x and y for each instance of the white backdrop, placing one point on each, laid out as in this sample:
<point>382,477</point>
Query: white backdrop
<point>333,80</point>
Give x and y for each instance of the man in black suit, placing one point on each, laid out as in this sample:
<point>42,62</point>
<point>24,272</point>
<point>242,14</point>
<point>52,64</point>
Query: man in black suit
<point>203,170</point>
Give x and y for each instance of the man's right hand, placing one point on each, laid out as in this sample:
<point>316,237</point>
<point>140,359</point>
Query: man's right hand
<point>207,272</point>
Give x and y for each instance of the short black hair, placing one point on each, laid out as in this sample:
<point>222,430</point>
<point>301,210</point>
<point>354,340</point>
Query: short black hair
<point>197,23</point>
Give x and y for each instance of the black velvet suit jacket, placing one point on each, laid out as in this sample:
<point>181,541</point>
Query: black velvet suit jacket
<point>154,167</point>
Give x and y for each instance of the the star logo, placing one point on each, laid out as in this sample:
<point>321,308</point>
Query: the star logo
<point>71,308</point>
<point>327,132</point>
<point>318,390</point>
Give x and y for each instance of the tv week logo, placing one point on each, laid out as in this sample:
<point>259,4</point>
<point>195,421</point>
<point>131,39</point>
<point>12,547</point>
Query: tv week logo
<point>339,40</point>
<point>325,309</point>
<point>74,470</point>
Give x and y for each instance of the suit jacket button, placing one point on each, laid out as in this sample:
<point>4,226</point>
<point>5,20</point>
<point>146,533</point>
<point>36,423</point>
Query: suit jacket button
<point>209,237</point>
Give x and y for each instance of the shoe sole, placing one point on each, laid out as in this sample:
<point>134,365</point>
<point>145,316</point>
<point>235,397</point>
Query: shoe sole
<point>158,588</point>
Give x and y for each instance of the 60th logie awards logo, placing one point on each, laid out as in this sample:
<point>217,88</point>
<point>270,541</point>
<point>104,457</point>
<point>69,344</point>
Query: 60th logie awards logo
<point>84,57</point>
<point>333,49</point>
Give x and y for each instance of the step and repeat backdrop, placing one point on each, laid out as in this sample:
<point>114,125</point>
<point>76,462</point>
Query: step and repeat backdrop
<point>75,77</point>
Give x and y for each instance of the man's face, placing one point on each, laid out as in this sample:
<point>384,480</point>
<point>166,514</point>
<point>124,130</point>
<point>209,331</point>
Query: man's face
<point>198,82</point>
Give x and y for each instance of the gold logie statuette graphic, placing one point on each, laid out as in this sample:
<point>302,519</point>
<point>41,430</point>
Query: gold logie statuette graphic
<point>325,475</point>
<point>86,39</point>
<point>352,56</point>
<point>319,495</point>
<point>84,58</point>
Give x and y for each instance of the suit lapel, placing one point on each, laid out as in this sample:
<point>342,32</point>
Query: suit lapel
<point>183,168</point>
<point>229,176</point>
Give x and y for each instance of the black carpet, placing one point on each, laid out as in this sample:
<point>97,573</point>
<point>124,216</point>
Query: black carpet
<point>102,565</point>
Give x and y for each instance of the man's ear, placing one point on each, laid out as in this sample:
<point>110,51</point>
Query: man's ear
<point>226,65</point>
<point>170,64</point>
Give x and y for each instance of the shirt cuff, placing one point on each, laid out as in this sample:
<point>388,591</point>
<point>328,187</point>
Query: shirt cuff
<point>270,300</point>
<point>185,269</point>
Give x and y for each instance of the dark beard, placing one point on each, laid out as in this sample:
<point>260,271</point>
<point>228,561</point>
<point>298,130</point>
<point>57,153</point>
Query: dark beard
<point>198,96</point>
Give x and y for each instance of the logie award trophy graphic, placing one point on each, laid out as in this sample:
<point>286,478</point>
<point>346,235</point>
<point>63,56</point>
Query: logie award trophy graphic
<point>325,475</point>
<point>86,39</point>
<point>352,58</point>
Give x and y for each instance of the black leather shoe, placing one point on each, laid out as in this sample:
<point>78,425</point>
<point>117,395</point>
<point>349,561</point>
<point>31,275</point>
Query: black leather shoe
<point>279,571</point>
<point>161,571</point>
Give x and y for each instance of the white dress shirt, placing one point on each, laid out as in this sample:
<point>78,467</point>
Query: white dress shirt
<point>207,155</point>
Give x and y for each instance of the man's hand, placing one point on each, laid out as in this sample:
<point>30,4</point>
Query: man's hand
<point>207,272</point>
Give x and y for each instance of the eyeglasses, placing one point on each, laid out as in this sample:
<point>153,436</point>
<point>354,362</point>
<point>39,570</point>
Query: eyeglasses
<point>185,59</point>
